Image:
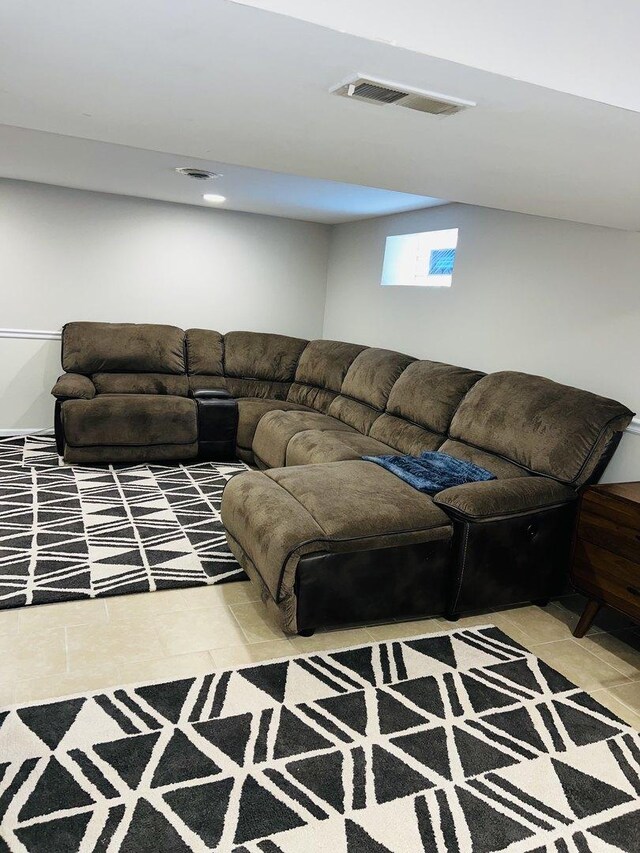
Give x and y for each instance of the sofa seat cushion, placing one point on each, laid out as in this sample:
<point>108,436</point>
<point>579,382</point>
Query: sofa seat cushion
<point>252,409</point>
<point>336,507</point>
<point>315,446</point>
<point>276,429</point>
<point>134,420</point>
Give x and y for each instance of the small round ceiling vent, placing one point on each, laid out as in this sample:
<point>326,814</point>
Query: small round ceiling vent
<point>197,174</point>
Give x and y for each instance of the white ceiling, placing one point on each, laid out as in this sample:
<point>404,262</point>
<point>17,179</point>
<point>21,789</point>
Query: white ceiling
<point>67,161</point>
<point>220,81</point>
<point>584,47</point>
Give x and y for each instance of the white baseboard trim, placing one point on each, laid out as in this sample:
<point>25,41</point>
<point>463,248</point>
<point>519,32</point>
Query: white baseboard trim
<point>634,426</point>
<point>31,334</point>
<point>7,433</point>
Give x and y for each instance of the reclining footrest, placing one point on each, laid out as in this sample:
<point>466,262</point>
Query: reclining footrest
<point>338,543</point>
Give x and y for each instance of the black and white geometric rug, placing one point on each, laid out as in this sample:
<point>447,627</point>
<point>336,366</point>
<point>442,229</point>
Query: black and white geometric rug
<point>70,531</point>
<point>461,742</point>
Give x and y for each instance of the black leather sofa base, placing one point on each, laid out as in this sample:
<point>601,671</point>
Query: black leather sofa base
<point>510,561</point>
<point>365,587</point>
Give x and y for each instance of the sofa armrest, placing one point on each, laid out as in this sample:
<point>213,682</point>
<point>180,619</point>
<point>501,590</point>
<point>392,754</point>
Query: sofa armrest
<point>211,394</point>
<point>491,500</point>
<point>74,386</point>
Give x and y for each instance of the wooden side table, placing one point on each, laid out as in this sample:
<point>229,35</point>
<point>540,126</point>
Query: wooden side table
<point>606,551</point>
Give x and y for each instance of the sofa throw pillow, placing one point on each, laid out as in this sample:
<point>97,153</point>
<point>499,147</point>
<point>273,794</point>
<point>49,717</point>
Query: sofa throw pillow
<point>431,472</point>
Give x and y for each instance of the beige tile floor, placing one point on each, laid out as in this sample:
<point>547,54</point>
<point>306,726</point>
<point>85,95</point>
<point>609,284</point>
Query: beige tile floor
<point>58,649</point>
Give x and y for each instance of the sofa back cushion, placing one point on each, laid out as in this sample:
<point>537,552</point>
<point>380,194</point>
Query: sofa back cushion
<point>141,383</point>
<point>421,405</point>
<point>131,347</point>
<point>205,352</point>
<point>247,364</point>
<point>255,355</point>
<point>366,387</point>
<point>545,427</point>
<point>429,392</point>
<point>321,371</point>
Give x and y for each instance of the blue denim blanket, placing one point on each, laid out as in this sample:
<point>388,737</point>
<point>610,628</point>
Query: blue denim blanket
<point>431,472</point>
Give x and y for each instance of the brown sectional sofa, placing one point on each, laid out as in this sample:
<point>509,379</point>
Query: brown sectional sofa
<point>329,538</point>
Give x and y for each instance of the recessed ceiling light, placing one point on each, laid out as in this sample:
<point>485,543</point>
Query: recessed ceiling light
<point>212,198</point>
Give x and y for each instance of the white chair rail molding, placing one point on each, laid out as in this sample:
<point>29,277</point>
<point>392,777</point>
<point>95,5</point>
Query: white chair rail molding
<point>31,334</point>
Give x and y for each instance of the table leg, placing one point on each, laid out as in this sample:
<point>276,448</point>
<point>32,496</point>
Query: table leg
<point>589,614</point>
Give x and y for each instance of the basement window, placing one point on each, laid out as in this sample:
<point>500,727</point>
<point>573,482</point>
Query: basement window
<point>425,259</point>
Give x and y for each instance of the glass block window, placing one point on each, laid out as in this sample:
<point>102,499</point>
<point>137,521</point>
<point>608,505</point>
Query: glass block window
<point>425,259</point>
<point>441,261</point>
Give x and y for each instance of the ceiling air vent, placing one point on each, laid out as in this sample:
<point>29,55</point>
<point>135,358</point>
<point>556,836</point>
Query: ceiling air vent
<point>197,174</point>
<point>362,88</point>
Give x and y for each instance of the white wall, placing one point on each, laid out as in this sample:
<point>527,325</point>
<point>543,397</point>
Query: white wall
<point>584,47</point>
<point>74,255</point>
<point>533,294</point>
